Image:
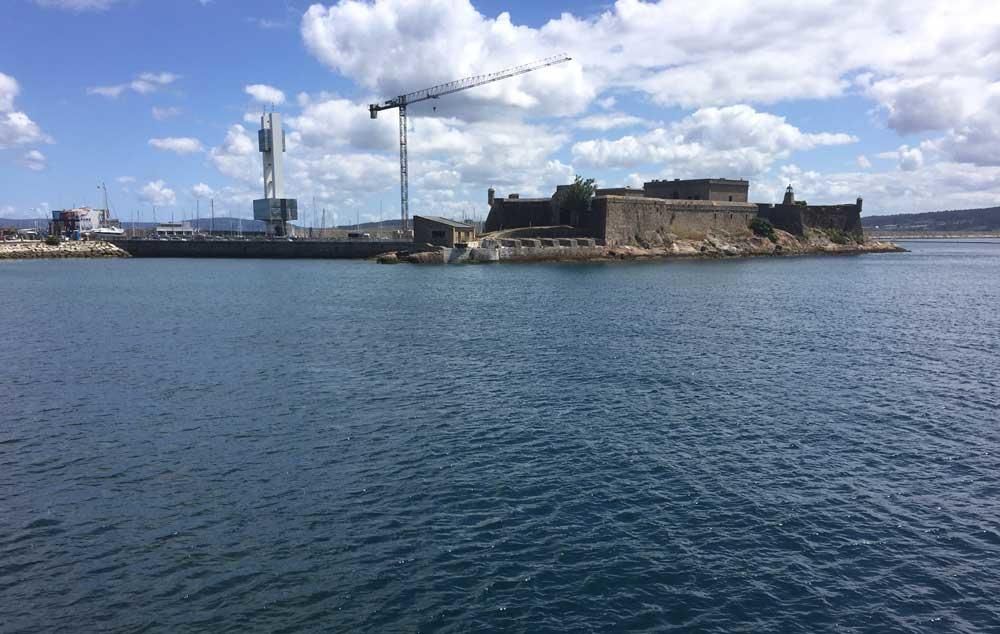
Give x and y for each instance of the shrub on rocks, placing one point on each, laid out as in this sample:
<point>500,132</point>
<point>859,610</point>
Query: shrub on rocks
<point>763,227</point>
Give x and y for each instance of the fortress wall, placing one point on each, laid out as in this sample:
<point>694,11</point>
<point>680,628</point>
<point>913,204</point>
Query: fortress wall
<point>785,217</point>
<point>561,231</point>
<point>519,212</point>
<point>795,219</point>
<point>843,218</point>
<point>646,222</point>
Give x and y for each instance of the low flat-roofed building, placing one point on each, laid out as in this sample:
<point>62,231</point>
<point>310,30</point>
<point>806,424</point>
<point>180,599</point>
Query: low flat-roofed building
<point>174,229</point>
<point>441,231</point>
<point>719,189</point>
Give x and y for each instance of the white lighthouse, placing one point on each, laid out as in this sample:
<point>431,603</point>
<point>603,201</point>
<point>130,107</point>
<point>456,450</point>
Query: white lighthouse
<point>274,209</point>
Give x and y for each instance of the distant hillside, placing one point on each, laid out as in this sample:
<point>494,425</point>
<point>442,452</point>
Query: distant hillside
<point>25,223</point>
<point>225,224</point>
<point>387,225</point>
<point>220,224</point>
<point>955,220</point>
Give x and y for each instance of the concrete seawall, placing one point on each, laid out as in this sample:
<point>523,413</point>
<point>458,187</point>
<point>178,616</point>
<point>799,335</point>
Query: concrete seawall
<point>318,249</point>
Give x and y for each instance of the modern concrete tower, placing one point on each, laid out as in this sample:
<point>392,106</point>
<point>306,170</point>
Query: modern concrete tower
<point>274,209</point>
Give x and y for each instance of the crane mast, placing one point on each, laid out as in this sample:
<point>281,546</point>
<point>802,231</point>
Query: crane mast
<point>434,92</point>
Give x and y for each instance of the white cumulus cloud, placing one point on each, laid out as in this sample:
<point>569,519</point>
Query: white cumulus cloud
<point>265,94</point>
<point>910,159</point>
<point>179,145</point>
<point>237,156</point>
<point>925,64</point>
<point>143,84</point>
<point>610,121</point>
<point>34,160</point>
<point>163,113</point>
<point>201,190</point>
<point>930,187</point>
<point>157,193</point>
<point>395,46</point>
<point>77,5</point>
<point>16,127</point>
<point>735,140</point>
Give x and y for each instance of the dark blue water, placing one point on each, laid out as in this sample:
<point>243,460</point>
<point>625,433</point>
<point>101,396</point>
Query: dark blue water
<point>795,445</point>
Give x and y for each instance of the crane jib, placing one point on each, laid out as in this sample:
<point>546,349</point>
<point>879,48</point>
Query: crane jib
<point>436,92</point>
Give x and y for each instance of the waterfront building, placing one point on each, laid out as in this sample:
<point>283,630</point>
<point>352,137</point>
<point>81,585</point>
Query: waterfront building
<point>78,219</point>
<point>174,229</point>
<point>441,231</point>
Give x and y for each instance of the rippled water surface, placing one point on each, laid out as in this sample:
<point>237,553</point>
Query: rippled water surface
<point>793,445</point>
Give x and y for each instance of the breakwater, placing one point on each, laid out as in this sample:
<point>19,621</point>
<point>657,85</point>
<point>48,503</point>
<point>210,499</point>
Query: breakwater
<point>279,249</point>
<point>32,249</point>
<point>503,249</point>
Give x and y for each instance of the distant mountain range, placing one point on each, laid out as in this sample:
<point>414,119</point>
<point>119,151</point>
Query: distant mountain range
<point>24,223</point>
<point>987,219</point>
<point>220,224</point>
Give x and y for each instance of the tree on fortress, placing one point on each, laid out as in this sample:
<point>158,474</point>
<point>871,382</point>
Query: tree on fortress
<point>577,196</point>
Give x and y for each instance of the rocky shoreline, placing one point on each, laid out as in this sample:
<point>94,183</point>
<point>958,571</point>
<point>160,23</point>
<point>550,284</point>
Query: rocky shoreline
<point>712,246</point>
<point>783,244</point>
<point>34,249</point>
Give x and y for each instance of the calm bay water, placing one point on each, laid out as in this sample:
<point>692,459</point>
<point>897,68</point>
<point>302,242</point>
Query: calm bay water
<point>794,445</point>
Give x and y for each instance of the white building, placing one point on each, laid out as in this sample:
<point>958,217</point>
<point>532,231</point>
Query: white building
<point>167,229</point>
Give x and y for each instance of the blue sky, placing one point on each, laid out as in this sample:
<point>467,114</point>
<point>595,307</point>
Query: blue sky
<point>157,98</point>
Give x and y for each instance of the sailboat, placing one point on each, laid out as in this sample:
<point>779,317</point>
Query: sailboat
<point>106,230</point>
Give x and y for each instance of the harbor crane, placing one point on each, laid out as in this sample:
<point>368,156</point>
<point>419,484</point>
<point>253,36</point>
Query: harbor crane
<point>434,92</point>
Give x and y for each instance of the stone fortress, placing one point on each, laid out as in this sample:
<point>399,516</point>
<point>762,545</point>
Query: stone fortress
<point>667,210</point>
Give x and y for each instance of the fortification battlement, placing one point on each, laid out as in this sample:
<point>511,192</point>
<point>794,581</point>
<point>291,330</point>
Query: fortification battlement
<point>680,204</point>
<point>648,222</point>
<point>672,208</point>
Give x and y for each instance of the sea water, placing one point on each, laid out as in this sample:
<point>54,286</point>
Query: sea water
<point>790,444</point>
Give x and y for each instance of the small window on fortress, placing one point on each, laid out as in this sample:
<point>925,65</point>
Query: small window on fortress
<point>730,199</point>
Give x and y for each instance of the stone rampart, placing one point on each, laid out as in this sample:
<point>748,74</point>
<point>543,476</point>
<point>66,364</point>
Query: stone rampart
<point>785,217</point>
<point>647,222</point>
<point>561,231</point>
<point>843,218</point>
<point>515,213</point>
<point>796,219</point>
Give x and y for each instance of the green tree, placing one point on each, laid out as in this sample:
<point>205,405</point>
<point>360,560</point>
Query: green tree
<point>579,195</point>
